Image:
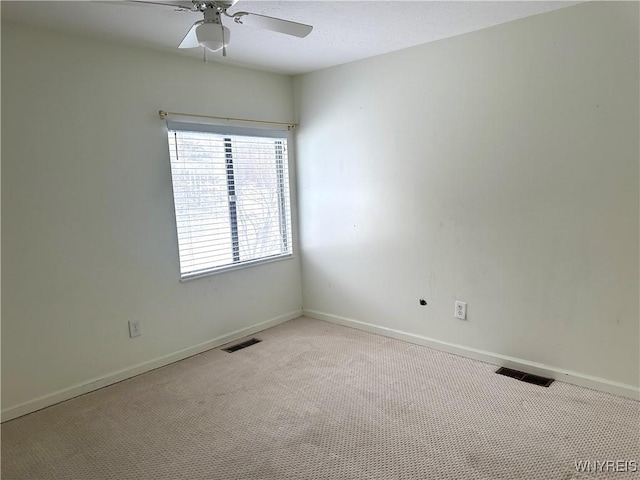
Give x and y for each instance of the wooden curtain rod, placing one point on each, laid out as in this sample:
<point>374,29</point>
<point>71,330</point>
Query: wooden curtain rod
<point>164,114</point>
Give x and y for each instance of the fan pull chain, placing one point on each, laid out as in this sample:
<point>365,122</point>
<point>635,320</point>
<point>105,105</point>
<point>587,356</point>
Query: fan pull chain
<point>224,48</point>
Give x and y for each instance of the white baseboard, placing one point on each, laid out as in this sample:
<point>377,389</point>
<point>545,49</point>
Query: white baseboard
<point>559,374</point>
<point>114,377</point>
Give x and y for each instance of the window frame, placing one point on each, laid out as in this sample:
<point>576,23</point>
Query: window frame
<point>288,237</point>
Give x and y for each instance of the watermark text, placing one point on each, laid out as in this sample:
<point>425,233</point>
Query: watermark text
<point>606,466</point>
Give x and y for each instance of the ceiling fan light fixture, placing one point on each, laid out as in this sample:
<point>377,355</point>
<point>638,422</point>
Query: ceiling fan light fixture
<point>211,37</point>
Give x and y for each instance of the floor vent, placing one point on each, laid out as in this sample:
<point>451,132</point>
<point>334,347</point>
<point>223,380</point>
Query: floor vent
<point>241,345</point>
<point>525,377</point>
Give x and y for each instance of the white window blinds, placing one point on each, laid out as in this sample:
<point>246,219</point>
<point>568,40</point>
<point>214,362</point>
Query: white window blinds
<point>231,196</point>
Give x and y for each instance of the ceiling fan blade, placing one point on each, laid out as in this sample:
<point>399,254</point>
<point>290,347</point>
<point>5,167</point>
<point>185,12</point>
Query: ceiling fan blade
<point>190,40</point>
<point>177,4</point>
<point>274,24</point>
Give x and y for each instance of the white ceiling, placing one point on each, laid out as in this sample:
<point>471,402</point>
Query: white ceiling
<point>343,30</point>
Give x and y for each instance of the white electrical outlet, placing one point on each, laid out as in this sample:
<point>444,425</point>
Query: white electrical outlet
<point>460,310</point>
<point>134,328</point>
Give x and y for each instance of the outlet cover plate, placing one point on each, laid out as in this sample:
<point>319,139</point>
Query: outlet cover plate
<point>460,310</point>
<point>134,328</point>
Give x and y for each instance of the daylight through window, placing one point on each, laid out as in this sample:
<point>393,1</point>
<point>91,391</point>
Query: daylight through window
<point>231,196</point>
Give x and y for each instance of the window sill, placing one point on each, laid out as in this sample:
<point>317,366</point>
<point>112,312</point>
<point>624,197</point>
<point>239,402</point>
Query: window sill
<point>239,266</point>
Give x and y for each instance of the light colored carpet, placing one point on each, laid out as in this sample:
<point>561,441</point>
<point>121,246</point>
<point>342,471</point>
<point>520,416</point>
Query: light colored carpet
<point>319,401</point>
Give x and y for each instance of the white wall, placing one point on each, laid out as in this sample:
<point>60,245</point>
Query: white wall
<point>499,168</point>
<point>89,237</point>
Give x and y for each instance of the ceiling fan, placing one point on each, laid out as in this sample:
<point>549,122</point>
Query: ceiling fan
<point>213,35</point>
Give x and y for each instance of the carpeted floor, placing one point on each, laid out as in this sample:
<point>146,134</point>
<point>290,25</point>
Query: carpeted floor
<point>319,401</point>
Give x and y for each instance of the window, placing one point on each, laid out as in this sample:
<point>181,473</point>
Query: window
<point>231,196</point>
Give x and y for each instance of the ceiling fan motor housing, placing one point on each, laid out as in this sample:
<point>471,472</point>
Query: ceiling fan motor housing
<point>219,5</point>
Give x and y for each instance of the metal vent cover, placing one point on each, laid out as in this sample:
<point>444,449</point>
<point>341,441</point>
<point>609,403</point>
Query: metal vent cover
<point>525,377</point>
<point>241,345</point>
